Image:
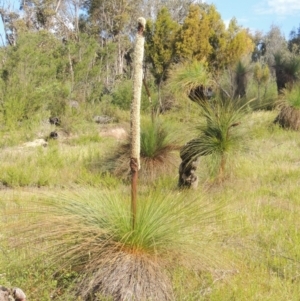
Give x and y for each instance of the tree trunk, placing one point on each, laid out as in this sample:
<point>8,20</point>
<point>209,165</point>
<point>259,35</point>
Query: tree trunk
<point>187,174</point>
<point>221,171</point>
<point>120,58</point>
<point>187,169</point>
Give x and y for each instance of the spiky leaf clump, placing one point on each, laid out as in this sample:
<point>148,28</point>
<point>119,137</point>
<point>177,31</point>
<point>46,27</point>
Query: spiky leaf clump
<point>218,136</point>
<point>188,77</point>
<point>157,154</point>
<point>90,231</point>
<point>293,97</point>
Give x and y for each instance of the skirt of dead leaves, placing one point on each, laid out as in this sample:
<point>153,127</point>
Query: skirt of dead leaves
<point>289,118</point>
<point>127,277</point>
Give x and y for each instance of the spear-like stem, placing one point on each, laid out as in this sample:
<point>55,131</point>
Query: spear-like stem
<point>135,114</point>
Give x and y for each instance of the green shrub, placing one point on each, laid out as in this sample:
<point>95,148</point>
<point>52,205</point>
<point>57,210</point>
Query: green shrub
<point>123,93</point>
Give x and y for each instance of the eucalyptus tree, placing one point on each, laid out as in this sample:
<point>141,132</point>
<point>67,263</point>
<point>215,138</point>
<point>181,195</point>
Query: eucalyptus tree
<point>42,14</point>
<point>178,9</point>
<point>274,42</point>
<point>259,49</point>
<point>112,20</point>
<point>60,17</point>
<point>32,80</point>
<point>86,72</point>
<point>9,19</point>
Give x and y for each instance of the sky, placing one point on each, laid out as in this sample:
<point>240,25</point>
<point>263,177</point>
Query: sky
<point>261,14</point>
<point>253,14</point>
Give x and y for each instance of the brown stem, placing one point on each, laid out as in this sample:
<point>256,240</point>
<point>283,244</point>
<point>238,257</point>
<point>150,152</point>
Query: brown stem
<point>222,169</point>
<point>134,179</point>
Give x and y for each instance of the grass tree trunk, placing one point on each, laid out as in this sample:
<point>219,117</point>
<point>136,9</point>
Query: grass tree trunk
<point>221,172</point>
<point>187,174</point>
<point>135,114</point>
<point>187,168</point>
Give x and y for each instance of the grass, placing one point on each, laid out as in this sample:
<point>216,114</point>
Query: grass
<point>258,229</point>
<point>60,163</point>
<point>293,97</point>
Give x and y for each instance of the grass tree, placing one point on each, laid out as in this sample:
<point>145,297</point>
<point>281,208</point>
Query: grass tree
<point>88,233</point>
<point>287,70</point>
<point>289,115</point>
<point>241,71</point>
<point>158,154</point>
<point>190,79</point>
<point>217,138</point>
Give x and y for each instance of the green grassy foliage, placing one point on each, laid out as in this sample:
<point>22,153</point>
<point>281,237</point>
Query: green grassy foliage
<point>57,164</point>
<point>218,136</point>
<point>256,233</point>
<point>265,96</point>
<point>122,96</point>
<point>293,97</point>
<point>186,77</point>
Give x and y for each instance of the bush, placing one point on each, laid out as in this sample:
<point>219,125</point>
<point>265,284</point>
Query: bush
<point>122,96</point>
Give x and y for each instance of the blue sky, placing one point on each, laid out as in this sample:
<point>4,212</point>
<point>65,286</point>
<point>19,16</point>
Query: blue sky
<point>261,14</point>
